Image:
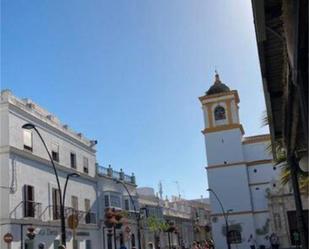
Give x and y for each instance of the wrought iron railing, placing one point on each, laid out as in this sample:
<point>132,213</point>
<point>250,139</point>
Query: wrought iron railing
<point>27,209</point>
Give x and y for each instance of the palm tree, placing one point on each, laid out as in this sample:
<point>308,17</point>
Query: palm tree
<point>281,160</point>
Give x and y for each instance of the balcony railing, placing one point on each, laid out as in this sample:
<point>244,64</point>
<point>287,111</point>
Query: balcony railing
<point>83,216</point>
<point>119,175</point>
<point>34,210</point>
<point>27,209</point>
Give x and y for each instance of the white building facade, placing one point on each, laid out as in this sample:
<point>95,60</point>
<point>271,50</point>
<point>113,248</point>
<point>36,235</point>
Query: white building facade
<point>28,193</point>
<point>121,197</point>
<point>239,170</point>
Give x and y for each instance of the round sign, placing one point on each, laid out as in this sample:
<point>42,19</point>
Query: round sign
<point>73,221</point>
<point>8,238</point>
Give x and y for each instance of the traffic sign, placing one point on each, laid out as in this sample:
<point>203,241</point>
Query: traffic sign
<point>8,238</point>
<point>73,221</point>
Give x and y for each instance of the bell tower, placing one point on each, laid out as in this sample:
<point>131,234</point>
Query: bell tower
<point>222,128</point>
<point>220,106</point>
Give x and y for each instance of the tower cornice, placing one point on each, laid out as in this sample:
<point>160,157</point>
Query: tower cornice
<point>223,128</point>
<point>205,98</point>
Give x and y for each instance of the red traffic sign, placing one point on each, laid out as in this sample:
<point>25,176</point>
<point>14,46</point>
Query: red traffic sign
<point>8,238</point>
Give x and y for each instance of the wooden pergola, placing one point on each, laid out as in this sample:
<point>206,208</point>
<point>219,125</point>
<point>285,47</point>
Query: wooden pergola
<point>282,38</point>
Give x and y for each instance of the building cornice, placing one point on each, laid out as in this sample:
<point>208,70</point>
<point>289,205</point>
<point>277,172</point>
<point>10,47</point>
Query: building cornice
<point>256,139</point>
<point>241,213</point>
<point>223,128</point>
<point>258,183</point>
<point>254,163</point>
<point>49,127</point>
<point>250,163</point>
<point>217,95</point>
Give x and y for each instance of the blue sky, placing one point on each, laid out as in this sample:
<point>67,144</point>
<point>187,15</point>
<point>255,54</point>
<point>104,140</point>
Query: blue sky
<point>129,73</point>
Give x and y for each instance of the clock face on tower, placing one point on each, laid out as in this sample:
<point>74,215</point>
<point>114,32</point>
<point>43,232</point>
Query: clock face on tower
<point>219,113</point>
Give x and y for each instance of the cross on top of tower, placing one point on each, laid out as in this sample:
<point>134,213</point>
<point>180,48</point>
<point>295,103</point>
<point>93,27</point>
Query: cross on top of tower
<point>218,86</point>
<point>217,77</point>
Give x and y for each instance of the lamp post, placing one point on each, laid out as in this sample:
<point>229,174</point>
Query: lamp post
<point>30,126</point>
<point>225,215</point>
<point>66,184</point>
<point>137,215</point>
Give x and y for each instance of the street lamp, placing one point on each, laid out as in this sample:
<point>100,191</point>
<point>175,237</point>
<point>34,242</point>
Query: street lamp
<point>76,175</point>
<point>137,215</point>
<point>225,215</point>
<point>29,126</point>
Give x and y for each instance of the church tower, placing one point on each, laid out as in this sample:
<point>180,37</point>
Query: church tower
<point>223,131</point>
<point>226,167</point>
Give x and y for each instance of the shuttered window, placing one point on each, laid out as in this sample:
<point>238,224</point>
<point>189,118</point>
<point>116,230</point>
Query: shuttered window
<point>85,165</point>
<point>56,203</point>
<point>27,140</point>
<point>74,202</point>
<point>29,205</point>
<point>87,205</point>
<point>73,160</point>
<point>55,152</point>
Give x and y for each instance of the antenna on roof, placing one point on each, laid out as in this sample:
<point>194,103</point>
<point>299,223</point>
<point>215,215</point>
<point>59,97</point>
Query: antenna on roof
<point>160,190</point>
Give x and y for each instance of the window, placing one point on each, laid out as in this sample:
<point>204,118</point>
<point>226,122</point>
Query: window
<point>29,205</point>
<point>75,244</point>
<point>126,204</point>
<point>277,221</point>
<point>85,165</point>
<point>234,237</point>
<point>115,201</point>
<point>90,217</point>
<point>87,205</point>
<point>27,140</point>
<point>73,160</point>
<point>106,200</point>
<point>292,220</point>
<point>74,203</point>
<point>56,203</point>
<point>55,152</point>
<point>219,113</point>
<point>88,244</point>
<point>56,244</point>
<point>132,240</point>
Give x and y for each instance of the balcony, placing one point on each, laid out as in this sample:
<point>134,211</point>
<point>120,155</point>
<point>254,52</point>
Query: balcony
<point>83,216</point>
<point>27,210</point>
<point>34,210</point>
<point>118,175</point>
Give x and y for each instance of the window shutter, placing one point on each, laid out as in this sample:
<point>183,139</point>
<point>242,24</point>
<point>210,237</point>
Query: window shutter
<point>28,138</point>
<point>87,205</point>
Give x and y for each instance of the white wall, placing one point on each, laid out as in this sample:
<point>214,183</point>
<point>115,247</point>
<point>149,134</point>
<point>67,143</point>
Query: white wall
<point>42,178</point>
<point>66,145</point>
<point>224,147</point>
<point>231,185</point>
<point>247,225</point>
<point>256,151</point>
<point>262,173</point>
<point>259,200</point>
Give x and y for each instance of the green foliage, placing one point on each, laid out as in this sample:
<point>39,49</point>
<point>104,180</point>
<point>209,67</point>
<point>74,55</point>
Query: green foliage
<point>264,230</point>
<point>156,225</point>
<point>281,159</point>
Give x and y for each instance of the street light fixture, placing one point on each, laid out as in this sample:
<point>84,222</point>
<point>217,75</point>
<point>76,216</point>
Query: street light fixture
<point>30,126</point>
<point>75,175</point>
<point>225,215</point>
<point>137,215</point>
